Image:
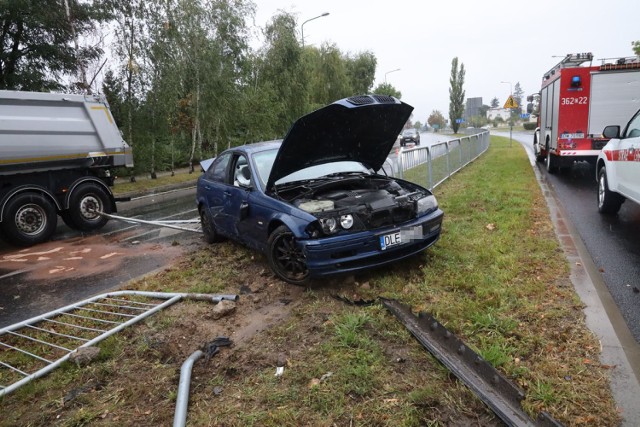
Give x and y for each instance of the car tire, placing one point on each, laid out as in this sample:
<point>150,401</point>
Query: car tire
<point>208,228</point>
<point>285,257</point>
<point>29,219</point>
<point>609,202</point>
<point>84,201</point>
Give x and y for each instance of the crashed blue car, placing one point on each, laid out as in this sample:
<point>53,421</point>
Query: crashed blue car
<point>313,202</point>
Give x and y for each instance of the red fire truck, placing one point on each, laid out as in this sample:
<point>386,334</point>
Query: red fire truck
<point>577,101</point>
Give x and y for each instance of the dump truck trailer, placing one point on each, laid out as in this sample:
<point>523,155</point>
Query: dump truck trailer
<point>57,152</point>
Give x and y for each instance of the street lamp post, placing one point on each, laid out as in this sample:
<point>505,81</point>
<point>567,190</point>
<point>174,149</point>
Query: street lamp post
<point>510,119</point>
<point>310,19</point>
<point>389,72</point>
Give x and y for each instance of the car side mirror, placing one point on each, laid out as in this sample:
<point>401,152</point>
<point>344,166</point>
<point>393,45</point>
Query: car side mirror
<point>611,132</point>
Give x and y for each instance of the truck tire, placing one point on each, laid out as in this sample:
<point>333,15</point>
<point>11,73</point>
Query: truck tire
<point>609,202</point>
<point>551,161</point>
<point>84,201</point>
<point>29,219</point>
<point>536,148</point>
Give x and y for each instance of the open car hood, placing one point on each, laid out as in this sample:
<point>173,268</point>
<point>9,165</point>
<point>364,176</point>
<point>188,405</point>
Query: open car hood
<point>361,129</point>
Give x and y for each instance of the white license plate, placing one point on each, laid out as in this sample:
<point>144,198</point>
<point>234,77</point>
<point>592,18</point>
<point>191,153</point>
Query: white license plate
<point>389,240</point>
<point>572,136</point>
<point>404,235</point>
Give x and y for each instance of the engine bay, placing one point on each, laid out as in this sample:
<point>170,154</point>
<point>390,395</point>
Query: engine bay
<point>374,201</point>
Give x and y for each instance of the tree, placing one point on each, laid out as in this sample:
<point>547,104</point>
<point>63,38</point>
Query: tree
<point>361,70</point>
<point>456,94</point>
<point>636,47</point>
<point>283,71</point>
<point>329,76</point>
<point>417,125</point>
<point>518,96</point>
<point>495,103</point>
<point>39,42</point>
<point>387,89</point>
<point>436,120</point>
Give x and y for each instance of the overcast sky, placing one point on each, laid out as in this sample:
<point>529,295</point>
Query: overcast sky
<point>496,40</point>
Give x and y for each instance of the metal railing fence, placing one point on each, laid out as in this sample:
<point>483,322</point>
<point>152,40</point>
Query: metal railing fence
<point>429,166</point>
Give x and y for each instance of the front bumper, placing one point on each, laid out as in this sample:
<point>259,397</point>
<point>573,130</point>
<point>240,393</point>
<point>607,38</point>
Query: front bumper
<point>360,251</point>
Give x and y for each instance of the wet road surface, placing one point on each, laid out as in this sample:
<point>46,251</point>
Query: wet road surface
<point>74,266</point>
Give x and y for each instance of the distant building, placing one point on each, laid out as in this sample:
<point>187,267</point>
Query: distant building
<point>472,108</point>
<point>494,113</point>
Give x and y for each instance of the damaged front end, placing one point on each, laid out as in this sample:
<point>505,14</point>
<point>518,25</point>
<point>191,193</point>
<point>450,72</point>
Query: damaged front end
<point>362,203</point>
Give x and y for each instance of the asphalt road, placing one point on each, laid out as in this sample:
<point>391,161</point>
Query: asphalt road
<point>612,241</point>
<point>73,266</point>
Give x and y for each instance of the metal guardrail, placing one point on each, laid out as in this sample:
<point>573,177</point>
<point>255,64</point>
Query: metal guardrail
<point>484,380</point>
<point>434,164</point>
<point>35,347</point>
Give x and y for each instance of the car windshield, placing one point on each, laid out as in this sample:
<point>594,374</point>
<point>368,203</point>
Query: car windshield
<point>264,161</point>
<point>409,132</point>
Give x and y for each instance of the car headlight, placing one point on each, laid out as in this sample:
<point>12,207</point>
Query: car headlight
<point>329,225</point>
<point>346,221</point>
<point>426,204</point>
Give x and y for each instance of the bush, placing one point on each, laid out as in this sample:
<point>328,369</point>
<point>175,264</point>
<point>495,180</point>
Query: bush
<point>529,125</point>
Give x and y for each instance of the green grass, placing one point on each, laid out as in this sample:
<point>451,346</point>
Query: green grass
<point>497,278</point>
<point>144,184</point>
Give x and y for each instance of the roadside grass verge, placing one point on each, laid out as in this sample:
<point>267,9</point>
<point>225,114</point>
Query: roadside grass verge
<point>497,278</point>
<point>145,184</point>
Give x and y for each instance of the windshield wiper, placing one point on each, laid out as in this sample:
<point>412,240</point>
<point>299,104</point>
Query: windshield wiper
<point>339,174</point>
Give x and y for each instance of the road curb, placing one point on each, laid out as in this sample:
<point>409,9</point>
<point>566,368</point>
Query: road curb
<point>618,347</point>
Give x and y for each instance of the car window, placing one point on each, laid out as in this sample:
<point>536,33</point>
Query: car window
<point>633,130</point>
<point>264,161</point>
<point>318,171</point>
<point>218,169</point>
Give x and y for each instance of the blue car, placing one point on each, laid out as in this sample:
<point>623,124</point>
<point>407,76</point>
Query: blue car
<point>313,203</point>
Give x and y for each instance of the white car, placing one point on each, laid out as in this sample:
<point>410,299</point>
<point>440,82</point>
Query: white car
<point>618,167</point>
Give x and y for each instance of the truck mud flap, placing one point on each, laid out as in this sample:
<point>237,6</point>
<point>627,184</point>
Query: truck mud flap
<point>484,380</point>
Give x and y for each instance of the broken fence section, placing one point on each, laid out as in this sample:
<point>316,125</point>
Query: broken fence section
<point>484,380</point>
<point>35,347</point>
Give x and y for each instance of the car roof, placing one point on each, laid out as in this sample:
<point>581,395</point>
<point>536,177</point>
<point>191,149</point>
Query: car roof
<point>257,147</point>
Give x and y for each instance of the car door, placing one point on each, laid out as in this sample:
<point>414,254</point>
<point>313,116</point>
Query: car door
<point>629,167</point>
<point>236,198</point>
<point>215,184</point>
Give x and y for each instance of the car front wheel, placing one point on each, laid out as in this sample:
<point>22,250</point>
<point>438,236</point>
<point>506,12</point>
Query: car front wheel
<point>609,202</point>
<point>285,258</point>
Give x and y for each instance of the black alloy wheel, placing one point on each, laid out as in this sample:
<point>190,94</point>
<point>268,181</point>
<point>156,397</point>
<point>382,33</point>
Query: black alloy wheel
<point>285,257</point>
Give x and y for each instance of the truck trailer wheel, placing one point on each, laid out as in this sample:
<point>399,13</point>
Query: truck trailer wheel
<point>29,219</point>
<point>84,202</point>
